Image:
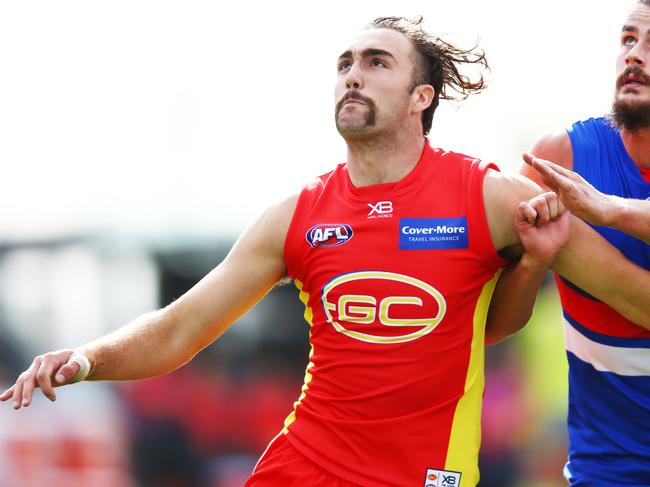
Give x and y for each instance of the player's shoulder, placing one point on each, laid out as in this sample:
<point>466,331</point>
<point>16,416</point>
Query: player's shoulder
<point>558,145</point>
<point>276,218</point>
<point>554,146</point>
<point>508,187</point>
<point>318,183</point>
<point>465,163</point>
<point>502,193</point>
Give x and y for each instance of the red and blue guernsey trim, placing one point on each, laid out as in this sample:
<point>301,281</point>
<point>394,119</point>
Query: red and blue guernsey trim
<point>609,356</point>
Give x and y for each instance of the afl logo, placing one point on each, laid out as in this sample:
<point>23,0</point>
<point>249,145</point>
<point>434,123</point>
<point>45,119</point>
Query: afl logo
<point>382,307</point>
<point>329,234</point>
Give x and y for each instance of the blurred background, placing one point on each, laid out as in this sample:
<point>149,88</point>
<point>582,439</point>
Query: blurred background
<point>139,138</point>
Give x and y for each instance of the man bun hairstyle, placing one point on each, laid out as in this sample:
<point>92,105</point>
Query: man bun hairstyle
<point>438,64</point>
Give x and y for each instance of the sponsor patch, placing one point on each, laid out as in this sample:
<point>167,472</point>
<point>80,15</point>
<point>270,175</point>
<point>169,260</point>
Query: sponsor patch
<point>441,478</point>
<point>329,234</point>
<point>433,233</point>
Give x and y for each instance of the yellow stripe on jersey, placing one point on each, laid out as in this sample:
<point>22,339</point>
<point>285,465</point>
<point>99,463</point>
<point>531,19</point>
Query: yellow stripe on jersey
<point>304,297</point>
<point>465,438</point>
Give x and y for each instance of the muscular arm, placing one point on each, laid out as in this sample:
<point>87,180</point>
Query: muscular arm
<point>514,296</point>
<point>161,341</point>
<point>513,300</point>
<point>591,263</point>
<point>628,215</point>
<point>551,167</point>
<point>542,226</point>
<point>587,260</point>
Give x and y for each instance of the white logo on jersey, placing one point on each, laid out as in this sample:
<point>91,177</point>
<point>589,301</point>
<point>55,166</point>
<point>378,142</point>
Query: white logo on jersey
<point>329,234</point>
<point>441,478</point>
<point>381,209</point>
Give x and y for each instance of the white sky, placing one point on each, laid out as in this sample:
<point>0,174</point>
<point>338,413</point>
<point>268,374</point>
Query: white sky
<point>187,118</point>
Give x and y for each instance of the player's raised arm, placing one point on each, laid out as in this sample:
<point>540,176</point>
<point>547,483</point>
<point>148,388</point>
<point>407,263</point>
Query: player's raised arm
<point>628,215</point>
<point>571,248</point>
<point>163,340</point>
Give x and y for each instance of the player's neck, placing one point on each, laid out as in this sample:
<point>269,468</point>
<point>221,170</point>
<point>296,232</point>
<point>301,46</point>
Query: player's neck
<point>637,144</point>
<point>383,158</point>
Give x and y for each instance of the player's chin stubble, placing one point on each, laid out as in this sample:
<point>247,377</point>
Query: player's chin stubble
<point>371,113</point>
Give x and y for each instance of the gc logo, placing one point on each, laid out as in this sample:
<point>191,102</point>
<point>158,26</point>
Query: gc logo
<point>382,307</point>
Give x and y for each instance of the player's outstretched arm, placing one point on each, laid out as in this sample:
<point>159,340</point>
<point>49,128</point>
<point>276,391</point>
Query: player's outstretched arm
<point>606,273</point>
<point>583,200</point>
<point>163,340</point>
<point>586,259</point>
<point>534,237</point>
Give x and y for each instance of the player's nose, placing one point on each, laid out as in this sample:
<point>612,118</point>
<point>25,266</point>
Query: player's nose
<point>636,56</point>
<point>354,78</point>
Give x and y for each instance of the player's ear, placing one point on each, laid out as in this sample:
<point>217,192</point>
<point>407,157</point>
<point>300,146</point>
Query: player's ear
<point>422,97</point>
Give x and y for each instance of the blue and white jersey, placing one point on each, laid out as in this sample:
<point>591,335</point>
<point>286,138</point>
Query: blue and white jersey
<point>609,356</point>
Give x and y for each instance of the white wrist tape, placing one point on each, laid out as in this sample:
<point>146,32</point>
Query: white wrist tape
<point>84,366</point>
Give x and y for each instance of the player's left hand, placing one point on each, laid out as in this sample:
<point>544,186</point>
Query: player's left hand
<point>542,224</point>
<point>580,197</point>
<point>47,371</point>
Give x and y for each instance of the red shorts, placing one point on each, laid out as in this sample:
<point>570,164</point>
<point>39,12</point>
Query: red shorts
<point>283,465</point>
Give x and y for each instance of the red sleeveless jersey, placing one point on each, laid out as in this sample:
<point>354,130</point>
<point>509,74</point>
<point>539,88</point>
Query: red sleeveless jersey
<point>396,279</point>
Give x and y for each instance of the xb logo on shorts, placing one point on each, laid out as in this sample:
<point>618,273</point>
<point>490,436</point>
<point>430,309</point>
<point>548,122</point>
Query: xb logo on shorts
<point>329,234</point>
<point>382,307</point>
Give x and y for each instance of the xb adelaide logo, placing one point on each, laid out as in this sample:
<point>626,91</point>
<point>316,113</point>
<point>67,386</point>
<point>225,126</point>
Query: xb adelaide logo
<point>382,307</point>
<point>442,478</point>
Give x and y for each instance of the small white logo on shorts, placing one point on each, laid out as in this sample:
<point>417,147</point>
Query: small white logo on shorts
<point>441,478</point>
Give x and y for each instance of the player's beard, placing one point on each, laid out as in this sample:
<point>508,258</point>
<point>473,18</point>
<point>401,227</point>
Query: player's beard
<point>370,118</point>
<point>631,116</point>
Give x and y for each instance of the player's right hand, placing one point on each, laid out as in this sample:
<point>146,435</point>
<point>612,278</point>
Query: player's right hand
<point>47,372</point>
<point>542,224</point>
<point>580,197</point>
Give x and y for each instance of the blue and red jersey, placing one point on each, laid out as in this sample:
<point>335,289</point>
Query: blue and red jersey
<point>609,356</point>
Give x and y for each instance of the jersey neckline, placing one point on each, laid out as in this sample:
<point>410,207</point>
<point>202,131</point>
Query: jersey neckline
<point>412,178</point>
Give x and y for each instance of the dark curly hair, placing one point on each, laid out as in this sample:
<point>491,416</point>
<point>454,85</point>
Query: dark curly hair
<point>438,64</point>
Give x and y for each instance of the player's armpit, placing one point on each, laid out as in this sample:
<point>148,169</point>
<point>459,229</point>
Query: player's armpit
<point>595,266</point>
